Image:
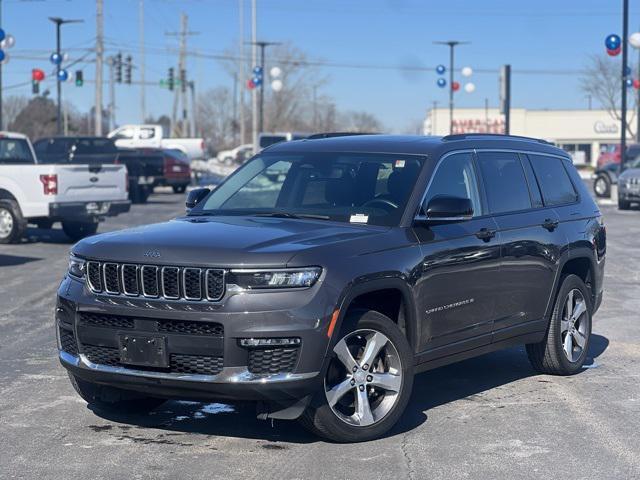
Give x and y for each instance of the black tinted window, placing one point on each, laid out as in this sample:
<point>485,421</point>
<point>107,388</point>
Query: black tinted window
<point>15,150</point>
<point>504,182</point>
<point>456,177</point>
<point>553,179</point>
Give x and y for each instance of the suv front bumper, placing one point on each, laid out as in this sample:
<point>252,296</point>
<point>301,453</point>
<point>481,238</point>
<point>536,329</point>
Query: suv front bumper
<point>237,379</point>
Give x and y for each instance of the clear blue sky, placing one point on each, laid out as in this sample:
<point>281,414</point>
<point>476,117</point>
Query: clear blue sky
<point>541,35</point>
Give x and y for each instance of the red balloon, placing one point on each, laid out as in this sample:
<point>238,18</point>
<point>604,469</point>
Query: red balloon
<point>636,84</point>
<point>37,75</point>
<point>455,86</point>
<point>614,52</point>
<point>250,84</point>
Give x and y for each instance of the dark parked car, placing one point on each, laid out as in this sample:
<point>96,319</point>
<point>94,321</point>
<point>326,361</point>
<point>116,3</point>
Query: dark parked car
<point>177,170</point>
<point>629,184</point>
<point>145,168</point>
<point>324,273</point>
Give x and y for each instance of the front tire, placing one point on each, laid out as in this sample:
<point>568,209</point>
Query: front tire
<point>12,224</point>
<point>367,384</point>
<point>79,230</point>
<point>602,186</point>
<point>179,188</point>
<point>111,399</point>
<point>623,204</point>
<point>564,348</point>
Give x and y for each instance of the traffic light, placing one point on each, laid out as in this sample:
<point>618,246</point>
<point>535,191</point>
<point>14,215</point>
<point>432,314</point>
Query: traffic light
<point>183,80</point>
<point>35,87</point>
<point>79,78</point>
<point>118,65</point>
<point>127,70</point>
<point>171,80</point>
<point>37,76</point>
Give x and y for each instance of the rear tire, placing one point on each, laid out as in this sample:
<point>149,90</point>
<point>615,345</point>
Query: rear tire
<point>367,399</point>
<point>557,354</point>
<point>179,188</point>
<point>624,205</point>
<point>139,194</point>
<point>79,230</point>
<point>111,399</point>
<point>12,224</point>
<point>602,186</point>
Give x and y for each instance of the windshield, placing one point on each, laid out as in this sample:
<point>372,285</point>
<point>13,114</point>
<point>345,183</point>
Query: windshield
<point>347,187</point>
<point>15,150</point>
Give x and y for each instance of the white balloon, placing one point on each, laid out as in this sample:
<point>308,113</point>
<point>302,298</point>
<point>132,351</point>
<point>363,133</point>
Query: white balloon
<point>65,57</point>
<point>276,85</point>
<point>467,71</point>
<point>8,42</point>
<point>469,88</point>
<point>275,72</point>
<point>634,40</point>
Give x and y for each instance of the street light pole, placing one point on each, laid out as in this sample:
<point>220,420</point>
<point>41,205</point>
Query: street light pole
<point>263,46</point>
<point>623,107</point>
<point>59,22</point>
<point>452,44</point>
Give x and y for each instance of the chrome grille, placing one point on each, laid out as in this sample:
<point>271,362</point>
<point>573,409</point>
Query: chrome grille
<point>168,282</point>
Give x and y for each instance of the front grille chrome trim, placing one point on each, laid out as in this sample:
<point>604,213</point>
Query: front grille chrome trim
<point>151,281</point>
<point>124,284</point>
<point>104,278</point>
<point>235,375</point>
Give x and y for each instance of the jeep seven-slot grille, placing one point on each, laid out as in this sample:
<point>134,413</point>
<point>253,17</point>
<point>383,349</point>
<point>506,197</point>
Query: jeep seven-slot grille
<point>167,282</point>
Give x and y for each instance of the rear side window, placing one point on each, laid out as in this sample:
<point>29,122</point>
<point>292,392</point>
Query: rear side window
<point>536,198</point>
<point>553,179</point>
<point>15,150</point>
<point>504,182</point>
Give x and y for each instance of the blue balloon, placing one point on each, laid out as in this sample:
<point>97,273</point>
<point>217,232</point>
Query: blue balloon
<point>440,69</point>
<point>63,76</point>
<point>257,71</point>
<point>56,58</point>
<point>257,81</point>
<point>442,82</point>
<point>2,34</point>
<point>2,55</point>
<point>612,41</point>
<point>627,71</point>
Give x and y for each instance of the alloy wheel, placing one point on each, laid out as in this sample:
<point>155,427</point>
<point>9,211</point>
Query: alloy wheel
<point>574,325</point>
<point>6,223</point>
<point>364,379</point>
<point>601,186</point>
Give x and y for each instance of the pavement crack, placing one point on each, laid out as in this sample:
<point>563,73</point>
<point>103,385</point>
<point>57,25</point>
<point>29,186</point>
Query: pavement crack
<point>407,457</point>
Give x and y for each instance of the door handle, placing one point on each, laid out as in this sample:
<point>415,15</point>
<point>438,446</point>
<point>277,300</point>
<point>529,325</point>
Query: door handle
<point>550,225</point>
<point>485,234</point>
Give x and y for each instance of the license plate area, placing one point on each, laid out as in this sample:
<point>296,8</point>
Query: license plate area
<point>97,208</point>
<point>143,350</point>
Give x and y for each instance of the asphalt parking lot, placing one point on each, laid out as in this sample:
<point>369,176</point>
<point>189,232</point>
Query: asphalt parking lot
<point>490,417</point>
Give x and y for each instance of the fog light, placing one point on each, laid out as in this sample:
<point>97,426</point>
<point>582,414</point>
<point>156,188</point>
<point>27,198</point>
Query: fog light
<point>269,342</point>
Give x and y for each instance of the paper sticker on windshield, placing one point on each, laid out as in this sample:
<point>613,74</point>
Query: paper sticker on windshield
<point>359,218</point>
<point>399,163</point>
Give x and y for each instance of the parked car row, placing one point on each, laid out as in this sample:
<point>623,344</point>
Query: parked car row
<point>78,181</point>
<point>628,181</point>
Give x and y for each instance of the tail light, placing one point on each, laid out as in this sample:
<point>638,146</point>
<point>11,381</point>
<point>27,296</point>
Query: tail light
<point>49,184</point>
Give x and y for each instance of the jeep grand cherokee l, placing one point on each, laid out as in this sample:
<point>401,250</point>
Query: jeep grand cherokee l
<point>324,273</point>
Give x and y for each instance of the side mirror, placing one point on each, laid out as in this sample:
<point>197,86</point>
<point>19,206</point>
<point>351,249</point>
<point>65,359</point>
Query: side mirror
<point>448,209</point>
<point>196,196</point>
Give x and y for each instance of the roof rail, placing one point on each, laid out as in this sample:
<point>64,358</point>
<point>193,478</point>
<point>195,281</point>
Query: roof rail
<point>465,136</point>
<point>316,136</point>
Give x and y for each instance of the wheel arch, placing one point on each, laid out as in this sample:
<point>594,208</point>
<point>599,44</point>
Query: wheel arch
<point>580,263</point>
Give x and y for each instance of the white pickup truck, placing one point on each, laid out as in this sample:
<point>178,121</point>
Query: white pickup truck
<point>79,196</point>
<point>152,136</point>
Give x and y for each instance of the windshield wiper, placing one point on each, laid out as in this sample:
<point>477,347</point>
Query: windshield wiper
<point>292,215</point>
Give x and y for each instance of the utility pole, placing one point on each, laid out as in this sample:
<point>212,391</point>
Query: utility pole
<point>452,44</point>
<point>192,87</point>
<point>623,83</point>
<point>1,116</point>
<point>263,46</point>
<point>234,125</point>
<point>99,68</point>
<point>143,107</point>
<point>180,94</point>
<point>243,63</point>
<point>112,93</point>
<point>59,22</point>
<point>505,97</point>
<point>254,60</point>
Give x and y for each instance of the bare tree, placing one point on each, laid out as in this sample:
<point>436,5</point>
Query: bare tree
<point>602,81</point>
<point>214,115</point>
<point>37,119</point>
<point>12,106</point>
<point>362,122</point>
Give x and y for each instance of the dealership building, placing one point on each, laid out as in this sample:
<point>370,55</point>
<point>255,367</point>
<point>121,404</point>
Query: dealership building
<point>583,133</point>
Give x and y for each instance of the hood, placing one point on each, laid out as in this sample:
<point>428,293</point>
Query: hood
<point>220,241</point>
<point>630,173</point>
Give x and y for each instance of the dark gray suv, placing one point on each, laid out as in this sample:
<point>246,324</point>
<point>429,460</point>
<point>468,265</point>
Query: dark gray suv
<point>324,273</point>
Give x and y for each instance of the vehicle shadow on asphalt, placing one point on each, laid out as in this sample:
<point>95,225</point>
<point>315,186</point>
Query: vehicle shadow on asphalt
<point>466,380</point>
<point>39,235</point>
<point>15,260</point>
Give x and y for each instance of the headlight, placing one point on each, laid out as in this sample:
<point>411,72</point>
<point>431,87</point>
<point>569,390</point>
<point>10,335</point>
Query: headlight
<point>76,266</point>
<point>281,278</point>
